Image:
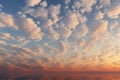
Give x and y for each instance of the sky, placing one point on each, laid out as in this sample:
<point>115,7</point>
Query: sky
<point>60,35</point>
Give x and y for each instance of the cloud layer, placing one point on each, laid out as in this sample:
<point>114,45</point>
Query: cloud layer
<point>72,35</point>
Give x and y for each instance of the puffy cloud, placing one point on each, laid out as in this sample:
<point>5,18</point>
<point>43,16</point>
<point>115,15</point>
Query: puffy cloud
<point>21,40</point>
<point>46,16</point>
<point>99,27</point>
<point>30,28</point>
<point>63,47</point>
<point>71,20</point>
<point>113,11</point>
<point>83,5</point>
<point>39,49</point>
<point>37,13</point>
<point>43,4</point>
<point>2,42</point>
<point>67,1</point>
<point>1,6</point>
<point>81,31</point>
<point>7,20</point>
<point>99,16</point>
<point>81,42</point>
<point>113,25</point>
<point>65,32</point>
<point>54,11</point>
<point>53,34</point>
<point>103,4</point>
<point>32,2</point>
<point>6,36</point>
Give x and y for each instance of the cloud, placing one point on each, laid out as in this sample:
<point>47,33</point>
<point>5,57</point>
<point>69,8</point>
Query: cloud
<point>99,16</point>
<point>53,34</point>
<point>81,42</point>
<point>39,49</point>
<point>43,4</point>
<point>83,5</point>
<point>32,2</point>
<point>1,7</point>
<point>30,28</point>
<point>81,31</point>
<point>99,27</point>
<point>65,32</point>
<point>21,40</point>
<point>103,4</point>
<point>113,11</point>
<point>7,20</point>
<point>71,20</point>
<point>54,11</point>
<point>37,13</point>
<point>6,36</point>
<point>2,42</point>
<point>63,47</point>
<point>113,24</point>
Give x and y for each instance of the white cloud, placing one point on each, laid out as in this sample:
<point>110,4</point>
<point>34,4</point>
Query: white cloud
<point>83,5</point>
<point>43,4</point>
<point>6,36</point>
<point>7,20</point>
<point>21,40</point>
<point>30,28</point>
<point>65,32</point>
<point>39,49</point>
<point>54,11</point>
<point>113,24</point>
<point>113,11</point>
<point>99,16</point>
<point>71,20</point>
<point>32,2</point>
<point>99,27</point>
<point>53,34</point>
<point>81,31</point>
<point>63,47</point>
<point>2,42</point>
<point>81,42</point>
<point>103,4</point>
<point>37,13</point>
<point>1,7</point>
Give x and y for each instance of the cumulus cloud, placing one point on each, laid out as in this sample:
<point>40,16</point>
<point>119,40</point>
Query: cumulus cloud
<point>113,11</point>
<point>6,36</point>
<point>81,42</point>
<point>65,32</point>
<point>71,20</point>
<point>21,40</point>
<point>32,2</point>
<point>54,11</point>
<point>103,4</point>
<point>99,16</point>
<point>81,31</point>
<point>113,24</point>
<point>43,4</point>
<point>7,20</point>
<point>53,34</point>
<point>37,13</point>
<point>100,27</point>
<point>64,47</point>
<point>1,7</point>
<point>30,28</point>
<point>2,42</point>
<point>83,5</point>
